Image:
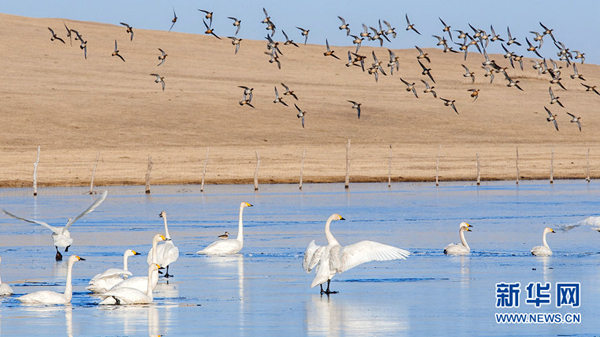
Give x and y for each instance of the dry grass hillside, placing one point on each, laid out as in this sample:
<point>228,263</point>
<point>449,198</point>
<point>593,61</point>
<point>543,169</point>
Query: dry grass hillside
<point>72,107</point>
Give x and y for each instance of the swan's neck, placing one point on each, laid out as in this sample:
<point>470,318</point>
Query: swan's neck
<point>125,262</point>
<point>330,239</point>
<point>154,244</point>
<point>240,236</point>
<point>149,291</point>
<point>544,240</point>
<point>166,227</point>
<point>463,240</point>
<point>69,287</point>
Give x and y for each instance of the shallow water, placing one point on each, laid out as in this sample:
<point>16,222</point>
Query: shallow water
<point>264,290</point>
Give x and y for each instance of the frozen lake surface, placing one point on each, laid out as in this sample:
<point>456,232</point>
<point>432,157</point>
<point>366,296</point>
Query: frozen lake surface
<point>265,292</point>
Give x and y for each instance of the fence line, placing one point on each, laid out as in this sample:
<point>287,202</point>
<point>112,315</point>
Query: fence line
<point>331,164</point>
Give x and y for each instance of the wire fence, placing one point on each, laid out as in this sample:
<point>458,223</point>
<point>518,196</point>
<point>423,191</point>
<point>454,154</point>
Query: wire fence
<point>321,164</point>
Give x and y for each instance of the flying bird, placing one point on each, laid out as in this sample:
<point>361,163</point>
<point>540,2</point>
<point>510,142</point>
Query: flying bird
<point>429,89</point>
<point>304,33</point>
<point>174,19</point>
<point>61,235</point>
<point>210,30</point>
<point>426,71</point>
<point>83,44</point>
<point>511,40</point>
<point>411,26</point>
<point>236,42</point>
<point>54,37</point>
<point>116,52</point>
<point>246,102</point>
<point>247,92</point>
<point>71,37</point>
<point>591,88</point>
<point>162,57</point>
<point>335,259</point>
<point>554,99</point>
<point>474,93</point>
<point>356,106</point>
<point>422,55</point>
<point>277,98</point>
<point>236,23</point>
<point>129,30</point>
<point>344,26</point>
<point>410,87</point>
<point>329,52</point>
<point>288,41</point>
<point>289,92</point>
<point>575,119</point>
<point>551,118</point>
<point>159,79</point>
<point>301,114</point>
<point>448,102</point>
<point>209,15</point>
<point>468,73</point>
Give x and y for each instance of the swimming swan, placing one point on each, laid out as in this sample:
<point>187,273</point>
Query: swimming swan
<point>166,253</point>
<point>543,250</point>
<point>228,246</point>
<point>52,297</point>
<point>5,289</point>
<point>111,277</point>
<point>335,259</point>
<point>462,248</point>
<point>141,282</point>
<point>131,295</point>
<point>61,235</point>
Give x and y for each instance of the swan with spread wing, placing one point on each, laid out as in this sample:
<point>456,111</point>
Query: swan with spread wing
<point>335,259</point>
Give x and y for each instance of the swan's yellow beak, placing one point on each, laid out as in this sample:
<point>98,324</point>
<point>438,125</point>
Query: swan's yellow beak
<point>552,230</point>
<point>159,267</point>
<point>163,237</point>
<point>248,205</point>
<point>80,258</point>
<point>135,253</point>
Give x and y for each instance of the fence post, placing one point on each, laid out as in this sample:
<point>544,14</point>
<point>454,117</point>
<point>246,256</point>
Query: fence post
<point>302,167</point>
<point>478,171</point>
<point>256,172</point>
<point>35,166</point>
<point>552,166</point>
<point>588,166</point>
<point>94,173</point>
<point>517,163</point>
<point>148,174</point>
<point>437,167</point>
<point>204,171</point>
<point>347,182</point>
<point>390,169</point>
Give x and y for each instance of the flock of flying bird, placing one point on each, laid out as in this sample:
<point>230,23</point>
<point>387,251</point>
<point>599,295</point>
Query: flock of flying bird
<point>476,38</point>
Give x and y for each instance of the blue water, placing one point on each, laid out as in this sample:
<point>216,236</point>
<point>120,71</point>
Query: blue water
<point>265,291</point>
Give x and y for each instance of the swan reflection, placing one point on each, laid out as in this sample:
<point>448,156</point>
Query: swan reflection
<point>333,316</point>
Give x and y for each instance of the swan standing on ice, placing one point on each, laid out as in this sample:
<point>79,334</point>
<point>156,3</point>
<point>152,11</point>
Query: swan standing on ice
<point>462,248</point>
<point>543,250</point>
<point>228,246</point>
<point>166,253</point>
<point>131,295</point>
<point>51,297</point>
<point>141,282</point>
<point>60,235</point>
<point>5,289</point>
<point>335,259</point>
<point>111,277</point>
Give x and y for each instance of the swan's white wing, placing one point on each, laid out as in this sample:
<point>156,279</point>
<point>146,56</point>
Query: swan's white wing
<point>366,251</point>
<point>112,272</point>
<point>312,256</point>
<point>54,229</point>
<point>592,221</point>
<point>89,209</point>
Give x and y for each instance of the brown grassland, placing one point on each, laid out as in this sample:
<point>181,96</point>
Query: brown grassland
<point>72,107</point>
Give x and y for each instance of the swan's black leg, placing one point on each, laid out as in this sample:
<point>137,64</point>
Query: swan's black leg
<point>329,291</point>
<point>321,285</point>
<point>167,273</point>
<point>58,256</point>
<point>67,249</point>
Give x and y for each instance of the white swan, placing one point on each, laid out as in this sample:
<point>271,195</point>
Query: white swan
<point>141,282</point>
<point>131,295</point>
<point>52,297</point>
<point>228,246</point>
<point>166,253</point>
<point>5,289</point>
<point>112,276</point>
<point>463,247</point>
<point>335,259</point>
<point>60,235</point>
<point>543,250</point>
